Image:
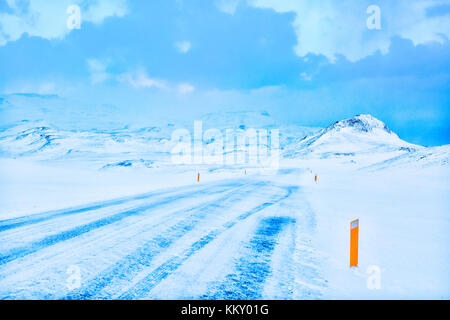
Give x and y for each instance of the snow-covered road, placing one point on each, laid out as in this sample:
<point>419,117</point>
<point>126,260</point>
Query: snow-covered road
<point>233,239</point>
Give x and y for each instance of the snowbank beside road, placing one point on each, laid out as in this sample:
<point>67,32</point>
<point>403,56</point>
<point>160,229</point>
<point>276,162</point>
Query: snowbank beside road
<point>404,231</point>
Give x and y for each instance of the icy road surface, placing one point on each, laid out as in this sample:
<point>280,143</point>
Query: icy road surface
<point>234,239</point>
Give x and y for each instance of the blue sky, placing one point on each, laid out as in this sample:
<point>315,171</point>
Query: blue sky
<point>308,63</point>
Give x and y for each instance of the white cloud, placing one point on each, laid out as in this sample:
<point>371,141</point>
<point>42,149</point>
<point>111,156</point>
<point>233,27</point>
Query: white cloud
<point>48,18</point>
<point>330,27</point>
<point>183,46</point>
<point>97,69</point>
<point>305,76</point>
<point>227,6</point>
<point>37,86</point>
<point>185,88</point>
<point>140,79</point>
<point>99,10</point>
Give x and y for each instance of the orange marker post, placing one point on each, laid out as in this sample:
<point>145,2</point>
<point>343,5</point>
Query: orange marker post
<point>354,234</point>
<point>315,178</point>
<point>198,177</point>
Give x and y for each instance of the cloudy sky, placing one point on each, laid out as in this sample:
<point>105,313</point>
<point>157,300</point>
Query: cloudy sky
<point>306,62</point>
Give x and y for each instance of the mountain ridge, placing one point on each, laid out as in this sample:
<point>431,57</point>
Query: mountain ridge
<point>363,140</point>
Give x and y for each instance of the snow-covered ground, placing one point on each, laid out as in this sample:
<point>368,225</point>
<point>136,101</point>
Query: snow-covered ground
<point>105,214</point>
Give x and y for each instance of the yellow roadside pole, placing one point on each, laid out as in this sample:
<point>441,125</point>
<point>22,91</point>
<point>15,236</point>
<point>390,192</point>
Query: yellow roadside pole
<point>354,234</point>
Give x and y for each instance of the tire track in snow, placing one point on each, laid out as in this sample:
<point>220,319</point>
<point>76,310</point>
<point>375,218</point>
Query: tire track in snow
<point>49,215</point>
<point>279,284</point>
<point>41,217</point>
<point>142,257</point>
<point>25,235</point>
<point>252,269</point>
<point>80,230</point>
<point>164,270</point>
<point>309,283</point>
<point>75,248</point>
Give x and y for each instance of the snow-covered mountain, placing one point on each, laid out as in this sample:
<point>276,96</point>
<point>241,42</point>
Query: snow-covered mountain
<point>42,141</point>
<point>45,141</point>
<point>361,135</point>
<point>424,157</point>
<point>362,140</point>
